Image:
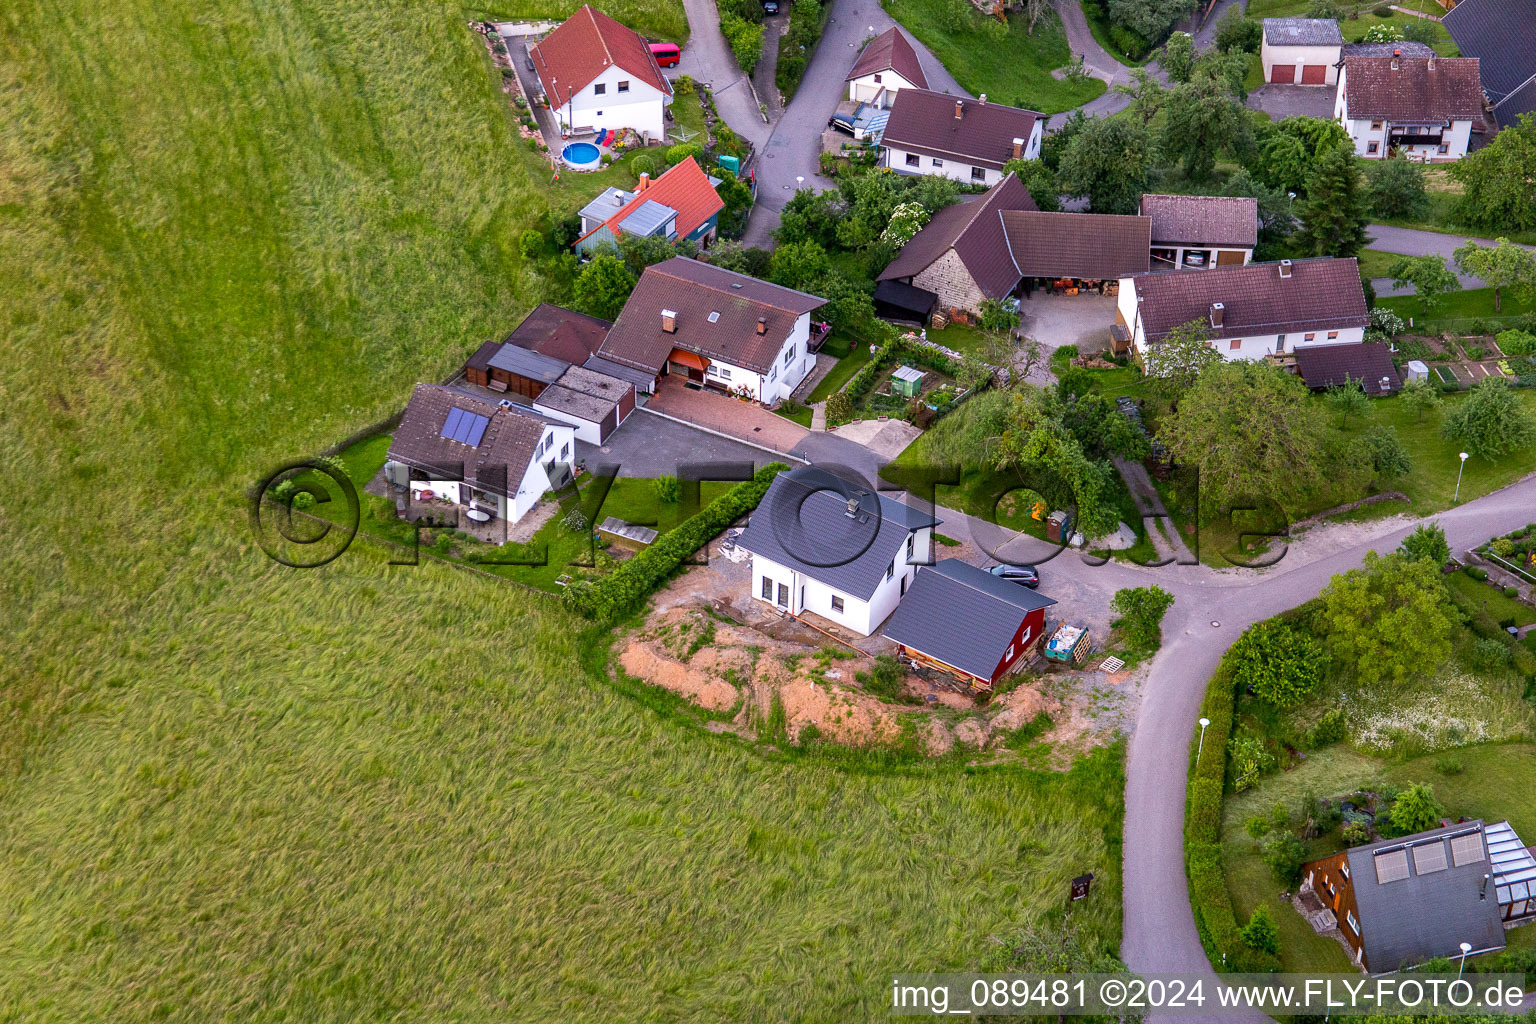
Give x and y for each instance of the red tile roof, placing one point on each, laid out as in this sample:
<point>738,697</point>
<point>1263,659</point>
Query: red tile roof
<point>1202,220</point>
<point>890,51</point>
<point>694,291</point>
<point>1320,294</point>
<point>924,122</point>
<point>685,188</point>
<point>1453,91</point>
<point>974,230</point>
<point>583,47</point>
<point>1095,246</point>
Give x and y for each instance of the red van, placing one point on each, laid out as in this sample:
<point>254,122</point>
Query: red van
<point>667,54</point>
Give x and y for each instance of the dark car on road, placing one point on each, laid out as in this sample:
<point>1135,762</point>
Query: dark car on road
<point>1023,575</point>
<point>770,6</point>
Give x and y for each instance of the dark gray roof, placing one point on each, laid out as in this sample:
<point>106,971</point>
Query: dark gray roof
<point>1302,32</point>
<point>1368,364</point>
<point>1428,914</point>
<point>905,297</point>
<point>1522,101</point>
<point>1502,35</point>
<point>497,463</point>
<point>639,378</point>
<point>809,531</point>
<point>526,363</point>
<point>1403,48</point>
<point>962,616</point>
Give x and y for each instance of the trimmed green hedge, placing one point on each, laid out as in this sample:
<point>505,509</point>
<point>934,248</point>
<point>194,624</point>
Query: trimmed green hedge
<point>1208,896</point>
<point>624,590</point>
<point>880,364</point>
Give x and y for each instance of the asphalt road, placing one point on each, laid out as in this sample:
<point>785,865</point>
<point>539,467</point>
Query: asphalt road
<point>708,59</point>
<point>1413,242</point>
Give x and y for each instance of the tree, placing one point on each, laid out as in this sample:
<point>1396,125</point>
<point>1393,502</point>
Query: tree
<point>849,303</point>
<point>1178,57</point>
<point>1501,265</point>
<point>1431,279</point>
<point>1236,32</point>
<point>1496,181</point>
<point>1176,362</point>
<point>906,220</point>
<point>745,39</point>
<point>1416,810</point>
<point>1396,188</point>
<point>1035,176</point>
<point>1037,445</point>
<point>1147,95</point>
<point>1419,397</point>
<point>1034,10</point>
<point>1227,68</point>
<point>1390,619</point>
<point>1334,213</point>
<point>1202,120</point>
<point>1279,664</point>
<point>1108,162</point>
<point>809,214</point>
<point>1283,853</point>
<point>743,259</point>
<point>1055,144</point>
<point>1384,451</point>
<point>1288,151</point>
<point>1254,434</point>
<point>798,264</point>
<point>1141,611</point>
<point>1347,398</point>
<point>1427,543</point>
<point>1276,218</point>
<point>603,286</point>
<point>1260,932</point>
<point>995,316</point>
<point>1491,421</point>
<point>1150,19</point>
<point>737,197</point>
<point>529,244</point>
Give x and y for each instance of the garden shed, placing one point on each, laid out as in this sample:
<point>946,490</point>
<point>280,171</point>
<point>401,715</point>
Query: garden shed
<point>906,381</point>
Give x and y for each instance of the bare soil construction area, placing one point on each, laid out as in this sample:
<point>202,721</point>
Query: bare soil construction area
<point>764,676</point>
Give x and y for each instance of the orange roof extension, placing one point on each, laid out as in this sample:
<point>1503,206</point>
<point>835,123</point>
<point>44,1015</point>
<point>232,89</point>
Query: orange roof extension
<point>583,47</point>
<point>685,188</point>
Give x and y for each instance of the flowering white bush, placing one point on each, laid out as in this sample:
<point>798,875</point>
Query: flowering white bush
<point>1386,321</point>
<point>1382,34</point>
<point>906,220</point>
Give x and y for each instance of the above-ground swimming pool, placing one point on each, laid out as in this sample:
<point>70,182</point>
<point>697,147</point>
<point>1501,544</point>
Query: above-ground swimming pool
<point>582,156</point>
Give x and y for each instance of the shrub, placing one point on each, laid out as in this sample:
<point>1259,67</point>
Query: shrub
<point>667,489</point>
<point>1283,853</point>
<point>885,677</point>
<point>529,244</point>
<point>682,151</point>
<point>1489,654</point>
<point>643,164</point>
<point>1415,810</point>
<point>1517,343</point>
<point>1354,834</point>
<point>1279,664</point>
<point>1133,44</point>
<point>1141,611</point>
<point>997,317</point>
<point>1448,766</point>
<point>1477,572</point>
<point>1322,816</point>
<point>1511,591</point>
<point>1331,728</point>
<point>1260,932</point>
<point>840,407</point>
<point>1257,827</point>
<point>745,40</point>
<point>625,589</point>
<point>682,85</point>
<point>303,501</point>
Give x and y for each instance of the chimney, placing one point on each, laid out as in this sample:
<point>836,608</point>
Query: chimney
<point>982,99</point>
<point>1018,148</point>
<point>1218,313</point>
<point>1431,62</point>
<point>645,182</point>
<point>853,507</point>
<point>669,321</point>
<point>1285,268</point>
<point>1396,59</point>
<point>762,325</point>
<point>958,108</point>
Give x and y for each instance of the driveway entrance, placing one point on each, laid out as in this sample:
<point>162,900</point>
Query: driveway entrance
<point>733,417</point>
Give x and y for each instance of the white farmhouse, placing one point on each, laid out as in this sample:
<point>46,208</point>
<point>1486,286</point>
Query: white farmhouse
<point>1421,107</point>
<point>1301,51</point>
<point>888,65</point>
<point>722,330</point>
<point>599,74</point>
<point>1250,312</point>
<point>967,140</point>
<point>481,456</point>
<point>841,553</point>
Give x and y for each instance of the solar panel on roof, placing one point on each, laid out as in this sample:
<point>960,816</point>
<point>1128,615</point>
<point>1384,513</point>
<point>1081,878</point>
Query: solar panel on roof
<point>1391,866</point>
<point>474,429</point>
<point>1467,849</point>
<point>1429,857</point>
<point>464,427</point>
<point>451,424</point>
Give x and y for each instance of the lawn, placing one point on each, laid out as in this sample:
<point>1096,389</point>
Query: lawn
<point>1485,788</point>
<point>1374,262</point>
<point>1007,63</point>
<point>366,792</point>
<point>1456,310</point>
<point>841,374</point>
<point>1492,598</point>
<point>654,19</point>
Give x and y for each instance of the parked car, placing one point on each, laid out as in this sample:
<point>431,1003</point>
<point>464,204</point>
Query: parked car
<point>667,54</point>
<point>770,6</point>
<point>1023,575</point>
<point>841,122</point>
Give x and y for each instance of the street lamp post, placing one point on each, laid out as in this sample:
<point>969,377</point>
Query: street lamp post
<point>1463,469</point>
<point>1201,749</point>
<point>799,182</point>
<point>1466,947</point>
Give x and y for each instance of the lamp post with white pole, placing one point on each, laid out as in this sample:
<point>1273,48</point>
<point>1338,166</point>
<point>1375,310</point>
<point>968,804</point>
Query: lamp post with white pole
<point>1460,471</point>
<point>1466,947</point>
<point>1201,749</point>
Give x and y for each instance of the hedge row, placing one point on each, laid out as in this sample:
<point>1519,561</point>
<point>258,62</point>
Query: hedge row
<point>806,20</point>
<point>1215,917</point>
<point>624,590</point>
<point>897,348</point>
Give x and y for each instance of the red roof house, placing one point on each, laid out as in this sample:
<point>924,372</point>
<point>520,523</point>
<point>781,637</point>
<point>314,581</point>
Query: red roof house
<point>680,205</point>
<point>598,74</point>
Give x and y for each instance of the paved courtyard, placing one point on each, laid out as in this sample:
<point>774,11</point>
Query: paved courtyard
<point>1057,320</point>
<point>746,421</point>
<point>1293,101</point>
<point>650,446</point>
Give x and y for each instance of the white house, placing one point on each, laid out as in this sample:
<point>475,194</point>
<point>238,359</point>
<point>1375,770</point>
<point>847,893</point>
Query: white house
<point>888,65</point>
<point>1421,107</point>
<point>841,553</point>
<point>723,330</point>
<point>598,74</point>
<point>1250,312</point>
<point>479,455</point>
<point>1301,51</point>
<point>967,140</point>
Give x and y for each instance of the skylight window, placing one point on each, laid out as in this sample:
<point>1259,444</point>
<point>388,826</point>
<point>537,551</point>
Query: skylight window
<point>714,317</point>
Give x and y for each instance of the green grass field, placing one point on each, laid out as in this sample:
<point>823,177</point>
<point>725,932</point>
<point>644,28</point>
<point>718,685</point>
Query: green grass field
<point>234,790</point>
<point>1458,307</point>
<point>1008,64</point>
<point>654,19</point>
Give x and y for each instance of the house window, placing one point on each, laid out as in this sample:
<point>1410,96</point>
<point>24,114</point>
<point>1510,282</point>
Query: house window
<point>719,371</point>
<point>1372,147</point>
<point>877,79</point>
<point>978,174</point>
<point>1332,335</point>
<point>773,374</point>
<point>1354,925</point>
<point>911,540</point>
<point>767,589</point>
<point>565,451</point>
<point>912,160</point>
<point>1344,868</point>
<point>1009,655</point>
<point>789,356</point>
<point>1311,337</point>
<point>1280,343</point>
<point>599,89</point>
<point>1445,147</point>
<point>623,87</point>
<point>599,113</point>
<point>784,594</point>
<point>937,162</point>
<point>890,570</point>
<point>837,603</point>
<point>1235,344</point>
<point>1375,126</point>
